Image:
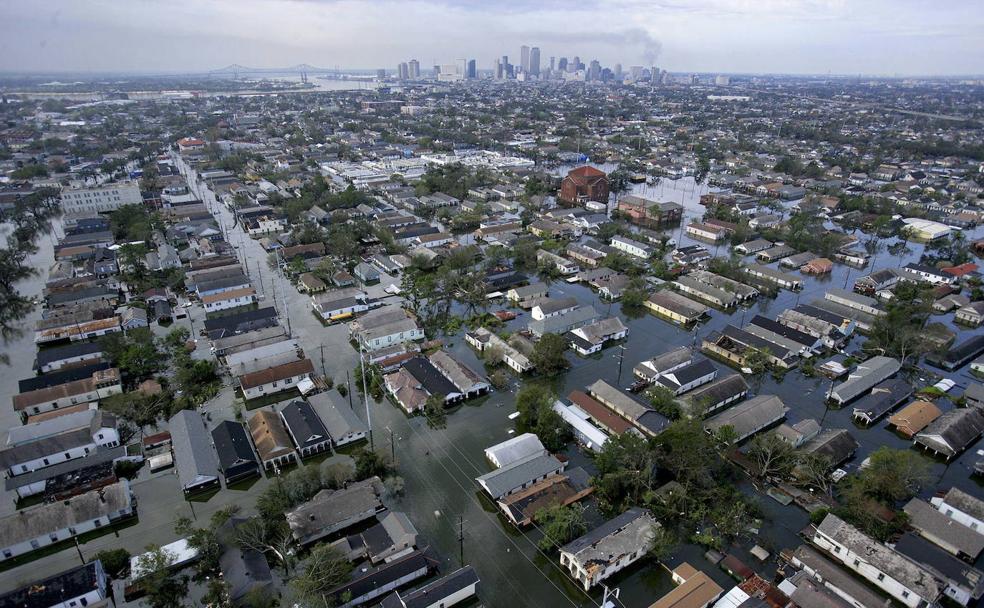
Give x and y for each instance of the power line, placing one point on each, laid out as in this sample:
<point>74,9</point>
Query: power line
<point>496,525</point>
<point>434,492</point>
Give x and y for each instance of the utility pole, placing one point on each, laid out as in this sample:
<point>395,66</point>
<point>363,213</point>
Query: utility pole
<point>365,395</point>
<point>621,356</point>
<point>348,381</point>
<point>323,372</point>
<point>392,446</point>
<point>461,541</point>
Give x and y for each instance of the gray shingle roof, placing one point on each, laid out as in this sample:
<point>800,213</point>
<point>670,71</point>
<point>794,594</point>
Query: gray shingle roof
<point>194,458</point>
<point>502,481</point>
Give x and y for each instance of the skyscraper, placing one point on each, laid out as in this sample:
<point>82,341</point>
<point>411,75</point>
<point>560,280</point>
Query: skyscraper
<point>524,58</point>
<point>553,64</point>
<point>534,67</point>
<point>562,64</point>
<point>414,67</point>
<point>472,72</point>
<point>577,64</point>
<point>403,71</point>
<point>594,72</point>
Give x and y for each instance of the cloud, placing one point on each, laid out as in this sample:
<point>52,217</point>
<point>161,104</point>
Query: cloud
<point>847,36</point>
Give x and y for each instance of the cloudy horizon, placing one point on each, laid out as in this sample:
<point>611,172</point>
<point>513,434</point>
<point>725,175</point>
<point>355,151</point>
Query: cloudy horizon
<point>871,37</point>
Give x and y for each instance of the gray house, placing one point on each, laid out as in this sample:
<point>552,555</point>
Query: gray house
<point>194,459</point>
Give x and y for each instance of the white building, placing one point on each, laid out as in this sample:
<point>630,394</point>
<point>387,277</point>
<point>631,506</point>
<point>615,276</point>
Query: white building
<point>514,450</point>
<point>275,379</point>
<point>47,524</point>
<point>100,199</point>
<point>899,577</point>
<point>609,548</point>
<point>225,300</point>
<point>961,507</point>
<point>85,586</point>
<point>41,444</point>
<point>631,247</point>
<point>100,385</point>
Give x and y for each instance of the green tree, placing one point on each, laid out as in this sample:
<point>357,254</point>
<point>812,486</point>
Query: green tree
<point>135,353</point>
<point>773,456</point>
<point>324,569</point>
<point>269,536</point>
<point>437,417</point>
<point>116,562</point>
<point>634,295</point>
<point>29,219</point>
<point>369,463</point>
<point>756,362</point>
<point>663,543</point>
<point>664,401</point>
<point>626,471</point>
<point>560,525</point>
<point>548,354</point>
<point>529,401</point>
<point>162,588</point>
<point>894,475</point>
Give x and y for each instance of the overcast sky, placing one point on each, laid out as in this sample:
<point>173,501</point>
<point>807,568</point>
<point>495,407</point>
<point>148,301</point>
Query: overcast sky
<point>939,37</point>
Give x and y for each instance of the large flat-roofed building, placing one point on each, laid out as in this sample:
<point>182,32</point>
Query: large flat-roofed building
<point>100,199</point>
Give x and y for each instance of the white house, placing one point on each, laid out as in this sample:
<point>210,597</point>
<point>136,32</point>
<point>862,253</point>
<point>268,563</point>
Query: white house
<point>225,300</point>
<point>514,449</point>
<point>35,527</point>
<point>85,586</point>
<point>386,327</point>
<point>609,548</point>
<point>552,307</point>
<point>563,265</point>
<point>592,338</point>
<point>961,507</point>
<point>899,577</point>
<point>41,444</point>
<point>275,379</point>
<point>631,247</point>
<point>265,225</point>
<point>100,385</point>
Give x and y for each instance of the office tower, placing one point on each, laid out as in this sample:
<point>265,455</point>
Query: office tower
<point>562,64</point>
<point>535,61</point>
<point>618,70</point>
<point>499,73</point>
<point>472,71</point>
<point>577,64</point>
<point>594,72</point>
<point>414,66</point>
<point>722,81</point>
<point>524,58</point>
<point>553,64</point>
<point>403,71</point>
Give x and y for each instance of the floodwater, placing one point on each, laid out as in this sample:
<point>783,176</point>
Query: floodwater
<point>439,465</point>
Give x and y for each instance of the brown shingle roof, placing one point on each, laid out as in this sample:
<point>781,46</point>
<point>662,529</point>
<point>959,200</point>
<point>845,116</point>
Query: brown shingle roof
<point>277,372</point>
<point>914,417</point>
<point>601,414</point>
<point>269,435</point>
